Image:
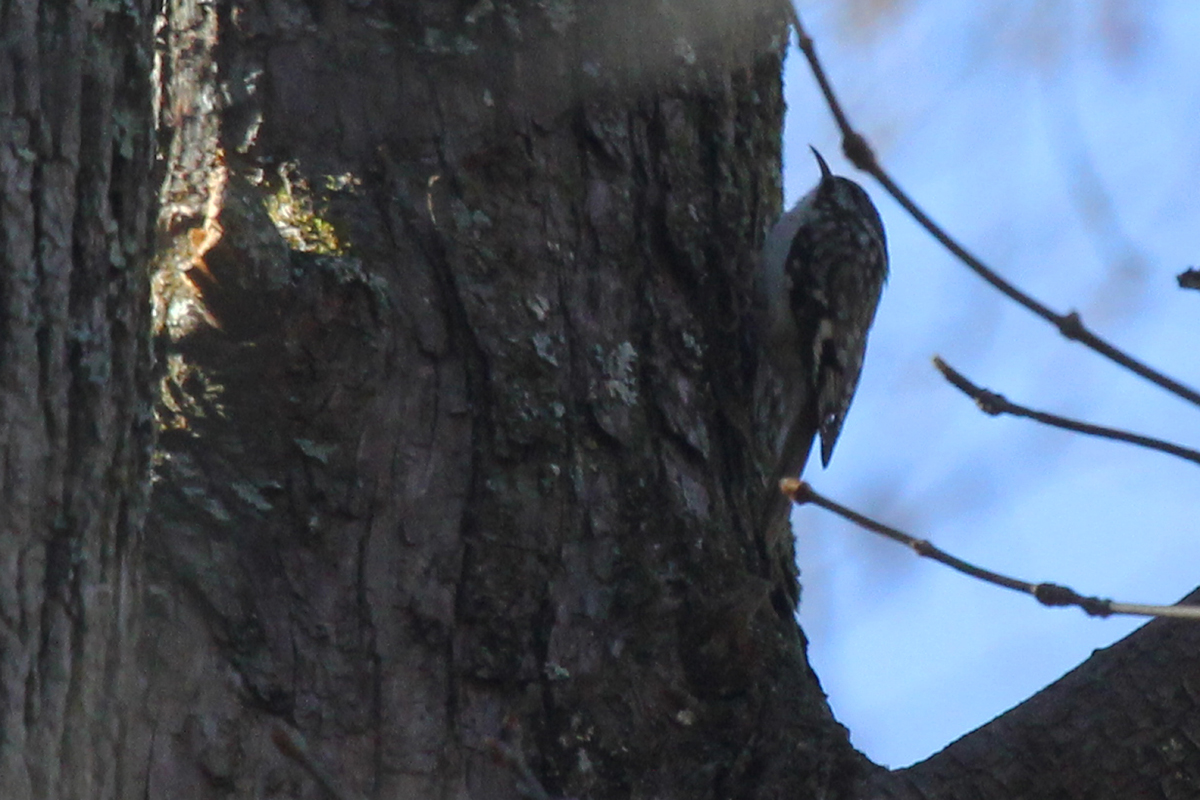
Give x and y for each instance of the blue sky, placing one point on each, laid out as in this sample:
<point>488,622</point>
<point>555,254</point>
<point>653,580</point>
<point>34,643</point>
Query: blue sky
<point>1058,140</point>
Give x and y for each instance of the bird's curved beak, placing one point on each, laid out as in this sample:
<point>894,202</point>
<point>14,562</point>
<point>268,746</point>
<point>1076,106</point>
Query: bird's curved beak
<point>825,173</point>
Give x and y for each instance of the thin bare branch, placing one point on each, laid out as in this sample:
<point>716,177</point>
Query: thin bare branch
<point>1048,594</point>
<point>1139,610</point>
<point>1070,325</point>
<point>997,404</point>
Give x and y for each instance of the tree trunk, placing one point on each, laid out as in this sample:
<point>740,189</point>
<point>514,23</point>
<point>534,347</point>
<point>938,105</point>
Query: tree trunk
<point>465,431</point>
<point>76,209</point>
<point>458,471</point>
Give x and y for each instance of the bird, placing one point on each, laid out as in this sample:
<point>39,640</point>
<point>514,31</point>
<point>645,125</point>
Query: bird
<point>818,281</point>
<point>820,277</point>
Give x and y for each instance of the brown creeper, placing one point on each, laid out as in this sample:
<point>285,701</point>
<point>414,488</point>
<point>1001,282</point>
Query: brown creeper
<point>821,273</point>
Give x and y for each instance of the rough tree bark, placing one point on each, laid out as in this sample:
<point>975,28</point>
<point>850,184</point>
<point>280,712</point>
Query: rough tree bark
<point>76,428</point>
<point>458,457</point>
<point>458,454</point>
<point>457,445</point>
